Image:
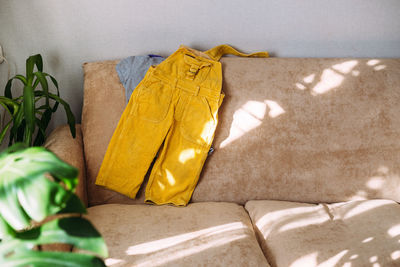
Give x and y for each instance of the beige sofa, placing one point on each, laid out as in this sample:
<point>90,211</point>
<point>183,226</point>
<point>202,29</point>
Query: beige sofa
<point>306,170</point>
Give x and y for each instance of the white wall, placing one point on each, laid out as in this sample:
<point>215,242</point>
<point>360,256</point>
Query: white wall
<point>70,32</point>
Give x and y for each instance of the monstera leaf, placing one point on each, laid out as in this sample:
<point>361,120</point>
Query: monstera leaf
<point>76,231</point>
<point>35,184</point>
<point>26,192</point>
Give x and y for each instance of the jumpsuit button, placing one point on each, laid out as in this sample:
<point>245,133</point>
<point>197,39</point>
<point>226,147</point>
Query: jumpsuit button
<point>193,69</point>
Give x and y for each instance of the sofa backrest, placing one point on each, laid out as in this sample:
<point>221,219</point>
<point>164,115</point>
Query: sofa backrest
<point>298,129</point>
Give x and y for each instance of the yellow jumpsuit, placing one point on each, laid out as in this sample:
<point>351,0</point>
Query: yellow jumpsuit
<point>174,107</point>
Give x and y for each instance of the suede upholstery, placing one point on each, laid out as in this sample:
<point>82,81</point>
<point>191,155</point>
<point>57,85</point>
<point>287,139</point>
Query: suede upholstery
<point>355,233</point>
<point>103,104</point>
<point>61,142</point>
<point>297,129</point>
<point>201,234</point>
<point>291,129</point>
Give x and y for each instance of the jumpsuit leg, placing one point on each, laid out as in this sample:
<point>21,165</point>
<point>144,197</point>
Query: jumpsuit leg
<point>177,169</point>
<point>137,138</point>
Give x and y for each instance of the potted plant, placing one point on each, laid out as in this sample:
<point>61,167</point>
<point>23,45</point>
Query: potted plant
<point>31,112</point>
<point>36,210</point>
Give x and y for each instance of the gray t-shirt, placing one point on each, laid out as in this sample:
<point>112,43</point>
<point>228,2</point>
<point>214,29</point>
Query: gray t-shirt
<point>132,70</point>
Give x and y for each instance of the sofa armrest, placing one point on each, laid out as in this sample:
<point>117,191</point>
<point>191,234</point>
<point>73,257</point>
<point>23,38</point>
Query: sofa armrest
<point>70,150</point>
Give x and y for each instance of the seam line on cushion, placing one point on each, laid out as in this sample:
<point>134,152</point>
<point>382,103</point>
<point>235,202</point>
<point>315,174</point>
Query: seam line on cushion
<point>328,210</point>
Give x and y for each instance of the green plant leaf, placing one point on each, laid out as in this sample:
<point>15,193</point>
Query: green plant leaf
<point>57,90</point>
<point>17,121</point>
<point>70,115</point>
<point>42,124</point>
<point>4,131</point>
<point>25,191</point>
<point>10,210</point>
<point>39,62</point>
<point>25,194</point>
<point>41,134</point>
<point>47,259</point>
<point>43,107</point>
<point>30,64</point>
<point>43,81</point>
<point>74,205</point>
<point>54,109</point>
<point>9,105</point>
<point>5,230</point>
<point>23,108</point>
<point>7,90</point>
<point>29,113</point>
<point>46,117</point>
<point>21,132</point>
<point>54,81</point>
<point>75,231</point>
<point>21,78</point>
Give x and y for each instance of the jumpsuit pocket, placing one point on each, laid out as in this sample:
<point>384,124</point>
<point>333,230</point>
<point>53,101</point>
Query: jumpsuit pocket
<point>153,100</point>
<point>199,120</point>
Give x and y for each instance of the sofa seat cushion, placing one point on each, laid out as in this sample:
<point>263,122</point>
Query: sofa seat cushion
<point>201,234</point>
<point>356,233</point>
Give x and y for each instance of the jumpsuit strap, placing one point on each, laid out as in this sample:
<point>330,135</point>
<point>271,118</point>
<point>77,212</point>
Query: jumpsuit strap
<point>217,52</point>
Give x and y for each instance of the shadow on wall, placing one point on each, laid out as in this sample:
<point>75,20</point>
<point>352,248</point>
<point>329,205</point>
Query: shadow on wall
<point>315,130</point>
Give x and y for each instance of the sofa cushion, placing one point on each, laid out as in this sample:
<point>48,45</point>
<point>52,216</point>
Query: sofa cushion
<point>201,234</point>
<point>104,102</point>
<point>356,233</point>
